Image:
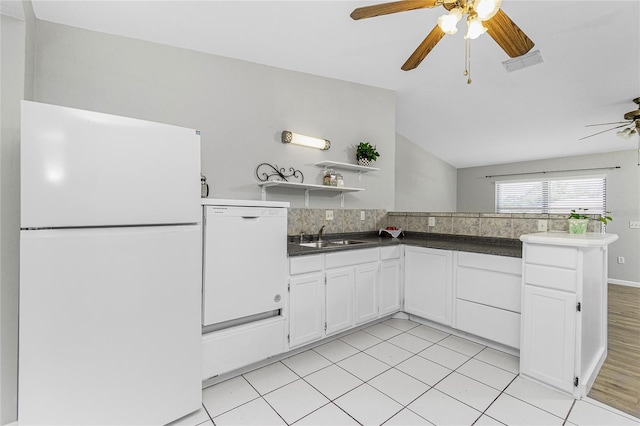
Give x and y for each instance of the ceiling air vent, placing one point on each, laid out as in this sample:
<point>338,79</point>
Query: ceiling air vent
<point>523,61</point>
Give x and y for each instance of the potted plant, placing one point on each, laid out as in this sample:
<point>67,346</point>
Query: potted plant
<point>578,220</point>
<point>366,153</point>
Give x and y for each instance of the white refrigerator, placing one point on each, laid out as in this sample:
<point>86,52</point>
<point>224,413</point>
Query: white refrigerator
<point>110,269</point>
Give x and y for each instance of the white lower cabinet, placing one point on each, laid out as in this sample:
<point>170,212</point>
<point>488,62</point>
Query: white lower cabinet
<point>428,283</point>
<point>305,308</point>
<point>339,300</point>
<point>366,292</point>
<point>549,327</point>
<point>390,287</point>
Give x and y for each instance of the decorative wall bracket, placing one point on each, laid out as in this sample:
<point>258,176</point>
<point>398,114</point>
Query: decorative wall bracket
<point>266,172</point>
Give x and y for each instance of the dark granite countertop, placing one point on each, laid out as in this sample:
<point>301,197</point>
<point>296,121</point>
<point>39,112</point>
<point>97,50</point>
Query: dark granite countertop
<point>485,245</point>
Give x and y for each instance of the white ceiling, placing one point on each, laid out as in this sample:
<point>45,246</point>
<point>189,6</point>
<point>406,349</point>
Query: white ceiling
<point>590,73</point>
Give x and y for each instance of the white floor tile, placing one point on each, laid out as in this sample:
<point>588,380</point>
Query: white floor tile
<point>388,353</point>
<point>586,414</point>
<point>363,366</point>
<point>336,350</point>
<point>306,362</point>
<point>399,386</point>
<point>227,395</point>
<point>428,333</point>
<point>401,324</point>
<point>295,400</point>
<point>469,391</point>
<point>541,396</point>
<point>441,409</point>
<point>500,359</point>
<point>413,344</point>
<point>444,356</point>
<point>361,340</point>
<point>333,381</point>
<point>382,331</point>
<point>487,374</point>
<point>485,420</point>
<point>407,417</point>
<point>513,412</point>
<point>270,377</point>
<point>424,370</point>
<point>193,419</point>
<point>461,345</point>
<point>368,405</point>
<point>329,415</point>
<point>256,412</point>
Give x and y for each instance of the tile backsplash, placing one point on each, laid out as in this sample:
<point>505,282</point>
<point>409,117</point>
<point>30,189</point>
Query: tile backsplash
<point>500,225</point>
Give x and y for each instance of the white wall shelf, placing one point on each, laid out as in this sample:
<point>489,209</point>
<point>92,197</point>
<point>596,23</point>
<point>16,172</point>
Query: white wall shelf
<point>347,166</point>
<point>307,188</point>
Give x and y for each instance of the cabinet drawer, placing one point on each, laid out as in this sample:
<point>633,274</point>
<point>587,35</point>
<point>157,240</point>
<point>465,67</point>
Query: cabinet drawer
<point>509,265</point>
<point>489,288</point>
<point>393,252</point>
<point>304,264</point>
<point>556,278</point>
<point>490,323</point>
<point>563,257</point>
<point>351,257</point>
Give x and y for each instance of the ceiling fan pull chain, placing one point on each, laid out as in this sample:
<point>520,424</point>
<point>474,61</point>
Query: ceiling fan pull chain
<point>467,65</point>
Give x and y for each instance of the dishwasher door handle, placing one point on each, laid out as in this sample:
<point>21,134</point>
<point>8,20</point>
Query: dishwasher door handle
<point>250,217</point>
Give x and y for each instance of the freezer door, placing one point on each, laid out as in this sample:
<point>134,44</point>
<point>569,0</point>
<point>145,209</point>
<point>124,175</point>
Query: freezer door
<point>83,168</point>
<point>109,326</point>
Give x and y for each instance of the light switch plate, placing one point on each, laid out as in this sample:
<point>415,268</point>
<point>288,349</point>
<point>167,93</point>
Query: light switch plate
<point>361,214</point>
<point>329,215</point>
<point>432,221</point>
<point>634,225</point>
<point>542,225</point>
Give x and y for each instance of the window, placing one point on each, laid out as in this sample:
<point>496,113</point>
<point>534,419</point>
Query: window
<point>555,196</point>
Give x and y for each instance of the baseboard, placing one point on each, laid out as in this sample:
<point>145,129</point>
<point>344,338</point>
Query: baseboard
<point>623,282</point>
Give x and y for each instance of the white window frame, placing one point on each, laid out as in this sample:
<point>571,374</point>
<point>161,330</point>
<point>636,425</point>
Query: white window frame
<point>562,206</point>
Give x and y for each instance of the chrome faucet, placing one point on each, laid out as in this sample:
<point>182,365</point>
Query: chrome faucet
<point>320,233</point>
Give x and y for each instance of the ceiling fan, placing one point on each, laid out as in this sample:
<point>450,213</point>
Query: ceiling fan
<point>632,120</point>
<point>482,16</point>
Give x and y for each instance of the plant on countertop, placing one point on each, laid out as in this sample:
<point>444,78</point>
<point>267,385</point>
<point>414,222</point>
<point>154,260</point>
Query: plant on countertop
<point>582,214</point>
<point>365,152</point>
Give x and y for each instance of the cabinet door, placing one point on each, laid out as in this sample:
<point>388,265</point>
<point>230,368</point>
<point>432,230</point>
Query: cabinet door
<point>390,287</point>
<point>366,290</point>
<point>339,300</point>
<point>547,349</point>
<point>428,283</point>
<point>305,309</point>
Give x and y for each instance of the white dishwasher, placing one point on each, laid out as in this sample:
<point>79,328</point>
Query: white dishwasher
<point>245,262</point>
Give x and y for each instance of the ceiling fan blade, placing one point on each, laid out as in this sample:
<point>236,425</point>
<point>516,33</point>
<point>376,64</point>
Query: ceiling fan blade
<point>507,34</point>
<point>394,7</point>
<point>613,128</point>
<point>423,50</point>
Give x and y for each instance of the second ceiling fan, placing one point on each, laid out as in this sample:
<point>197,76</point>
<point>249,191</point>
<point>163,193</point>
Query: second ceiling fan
<point>482,15</point>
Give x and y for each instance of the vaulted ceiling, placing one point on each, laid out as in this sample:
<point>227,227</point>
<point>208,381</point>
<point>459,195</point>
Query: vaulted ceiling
<point>590,73</point>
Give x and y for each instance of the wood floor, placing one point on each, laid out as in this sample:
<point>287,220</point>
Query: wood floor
<point>618,383</point>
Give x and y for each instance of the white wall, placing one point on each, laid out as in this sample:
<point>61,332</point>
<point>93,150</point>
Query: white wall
<point>476,193</point>
<point>241,109</point>
<point>423,181</point>
<point>12,73</point>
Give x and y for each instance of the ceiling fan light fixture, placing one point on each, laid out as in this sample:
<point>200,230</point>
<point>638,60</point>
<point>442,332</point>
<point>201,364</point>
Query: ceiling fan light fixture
<point>627,133</point>
<point>474,28</point>
<point>448,23</point>
<point>486,9</point>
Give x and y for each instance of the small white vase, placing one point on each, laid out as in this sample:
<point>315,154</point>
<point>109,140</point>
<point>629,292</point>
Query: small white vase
<point>578,226</point>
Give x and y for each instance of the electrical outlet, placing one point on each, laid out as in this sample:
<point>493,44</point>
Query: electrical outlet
<point>634,225</point>
<point>361,214</point>
<point>329,215</point>
<point>542,225</point>
<point>432,221</point>
<point>621,260</point>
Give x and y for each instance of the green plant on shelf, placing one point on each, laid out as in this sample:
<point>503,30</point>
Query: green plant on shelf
<point>582,214</point>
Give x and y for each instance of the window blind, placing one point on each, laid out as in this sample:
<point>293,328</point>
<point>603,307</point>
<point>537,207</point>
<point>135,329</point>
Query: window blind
<point>555,196</point>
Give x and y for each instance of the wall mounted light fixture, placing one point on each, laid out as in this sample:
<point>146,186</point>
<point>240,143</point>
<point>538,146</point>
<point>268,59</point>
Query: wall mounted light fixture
<point>297,139</point>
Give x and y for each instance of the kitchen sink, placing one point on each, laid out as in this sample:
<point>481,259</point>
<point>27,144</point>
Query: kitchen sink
<point>329,243</point>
